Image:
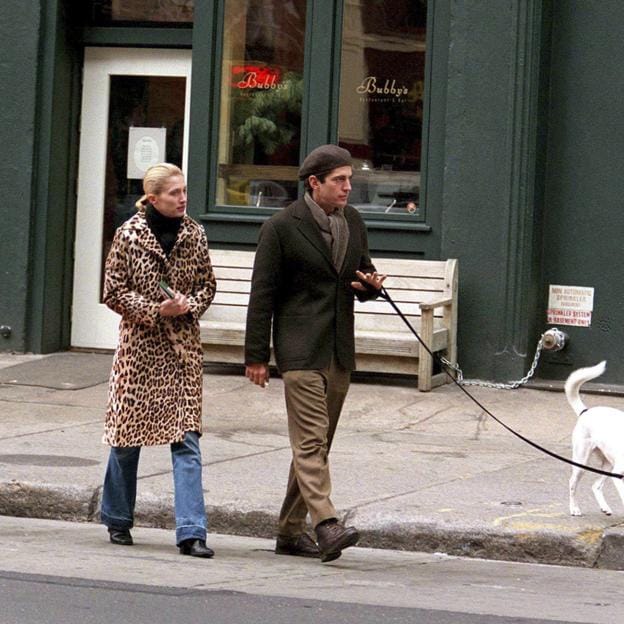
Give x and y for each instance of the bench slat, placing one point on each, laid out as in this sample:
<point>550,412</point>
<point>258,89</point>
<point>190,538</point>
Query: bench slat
<point>416,296</point>
<point>229,286</point>
<point>226,313</point>
<point>398,295</point>
<point>232,273</point>
<point>382,307</point>
<point>393,323</point>
<point>376,342</point>
<point>230,298</point>
<point>231,258</point>
<point>410,268</point>
<point>414,283</point>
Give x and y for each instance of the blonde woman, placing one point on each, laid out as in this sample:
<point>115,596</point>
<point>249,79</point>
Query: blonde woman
<point>155,389</point>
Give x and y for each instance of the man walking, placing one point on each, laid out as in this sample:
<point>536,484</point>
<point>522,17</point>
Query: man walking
<point>312,258</point>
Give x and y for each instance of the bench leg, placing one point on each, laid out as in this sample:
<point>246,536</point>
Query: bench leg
<point>425,361</point>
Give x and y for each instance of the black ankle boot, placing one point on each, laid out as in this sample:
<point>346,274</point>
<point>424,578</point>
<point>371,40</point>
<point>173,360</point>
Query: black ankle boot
<point>121,537</point>
<point>195,548</point>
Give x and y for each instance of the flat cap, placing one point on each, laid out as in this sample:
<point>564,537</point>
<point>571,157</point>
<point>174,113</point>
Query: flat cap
<point>323,159</point>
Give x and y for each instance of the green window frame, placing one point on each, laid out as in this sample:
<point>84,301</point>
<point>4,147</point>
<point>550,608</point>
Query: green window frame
<point>238,226</point>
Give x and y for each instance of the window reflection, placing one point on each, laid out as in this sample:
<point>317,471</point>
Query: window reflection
<point>261,93</point>
<point>163,11</point>
<point>381,102</point>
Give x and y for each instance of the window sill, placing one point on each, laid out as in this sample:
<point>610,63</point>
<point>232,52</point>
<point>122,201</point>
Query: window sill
<point>371,224</point>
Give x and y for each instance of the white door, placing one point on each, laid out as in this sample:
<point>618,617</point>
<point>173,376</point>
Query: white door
<point>135,106</point>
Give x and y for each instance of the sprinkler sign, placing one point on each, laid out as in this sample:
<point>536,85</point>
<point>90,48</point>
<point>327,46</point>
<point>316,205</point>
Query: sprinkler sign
<point>570,305</point>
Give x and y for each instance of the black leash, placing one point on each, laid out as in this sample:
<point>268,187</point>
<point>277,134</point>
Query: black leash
<point>384,295</point>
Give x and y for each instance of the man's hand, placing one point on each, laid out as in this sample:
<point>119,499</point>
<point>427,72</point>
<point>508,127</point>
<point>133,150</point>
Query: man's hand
<point>174,307</point>
<point>258,374</point>
<point>372,279</point>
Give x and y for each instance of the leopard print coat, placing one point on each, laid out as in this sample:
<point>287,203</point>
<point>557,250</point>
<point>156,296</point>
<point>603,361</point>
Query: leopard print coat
<point>155,390</point>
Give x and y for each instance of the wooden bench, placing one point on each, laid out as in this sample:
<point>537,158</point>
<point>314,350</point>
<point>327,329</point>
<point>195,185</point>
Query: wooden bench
<point>424,290</point>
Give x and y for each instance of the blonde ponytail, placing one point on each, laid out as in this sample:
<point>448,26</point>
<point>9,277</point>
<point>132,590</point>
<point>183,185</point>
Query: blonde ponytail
<point>141,203</point>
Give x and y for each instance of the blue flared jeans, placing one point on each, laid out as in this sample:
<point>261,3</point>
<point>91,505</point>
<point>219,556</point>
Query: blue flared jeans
<point>120,484</point>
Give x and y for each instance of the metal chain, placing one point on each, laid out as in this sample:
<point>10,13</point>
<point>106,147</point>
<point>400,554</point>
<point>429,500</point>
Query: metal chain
<point>511,385</point>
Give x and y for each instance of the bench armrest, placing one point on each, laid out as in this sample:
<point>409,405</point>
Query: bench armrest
<point>430,305</point>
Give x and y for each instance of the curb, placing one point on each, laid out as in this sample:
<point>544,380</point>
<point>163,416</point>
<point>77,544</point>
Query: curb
<point>600,548</point>
<point>52,502</point>
<point>484,543</point>
<point>611,555</point>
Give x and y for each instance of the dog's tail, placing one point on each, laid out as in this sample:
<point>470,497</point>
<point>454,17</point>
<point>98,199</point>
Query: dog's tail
<point>576,380</point>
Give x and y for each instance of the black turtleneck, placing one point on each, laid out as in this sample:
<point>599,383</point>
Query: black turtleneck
<point>165,229</point>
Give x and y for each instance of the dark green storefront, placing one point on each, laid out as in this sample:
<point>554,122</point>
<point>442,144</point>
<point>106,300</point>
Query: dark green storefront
<point>519,175</point>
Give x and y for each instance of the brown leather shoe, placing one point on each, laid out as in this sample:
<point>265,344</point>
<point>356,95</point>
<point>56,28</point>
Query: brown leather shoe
<point>333,538</point>
<point>298,545</point>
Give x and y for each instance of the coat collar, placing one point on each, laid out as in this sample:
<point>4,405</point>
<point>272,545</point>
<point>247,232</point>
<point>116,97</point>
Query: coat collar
<point>145,237</point>
<point>310,229</point>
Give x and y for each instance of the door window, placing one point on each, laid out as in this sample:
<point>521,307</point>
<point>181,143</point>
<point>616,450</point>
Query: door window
<point>145,126</point>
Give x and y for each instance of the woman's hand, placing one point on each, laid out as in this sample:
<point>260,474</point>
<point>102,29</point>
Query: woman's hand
<point>174,307</point>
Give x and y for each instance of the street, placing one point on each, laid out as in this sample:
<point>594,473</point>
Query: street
<point>52,571</point>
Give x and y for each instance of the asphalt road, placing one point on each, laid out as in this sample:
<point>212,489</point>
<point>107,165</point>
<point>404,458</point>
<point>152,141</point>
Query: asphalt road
<point>33,599</point>
<point>59,572</point>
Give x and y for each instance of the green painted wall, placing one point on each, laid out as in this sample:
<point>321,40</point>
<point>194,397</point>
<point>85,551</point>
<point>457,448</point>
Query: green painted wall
<point>584,216</point>
<point>490,209</point>
<point>41,72</point>
<point>20,24</point>
<point>54,182</point>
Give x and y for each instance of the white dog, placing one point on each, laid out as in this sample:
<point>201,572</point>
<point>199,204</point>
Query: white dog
<point>599,431</point>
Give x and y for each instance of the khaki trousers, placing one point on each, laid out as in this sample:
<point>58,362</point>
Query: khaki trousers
<point>314,399</point>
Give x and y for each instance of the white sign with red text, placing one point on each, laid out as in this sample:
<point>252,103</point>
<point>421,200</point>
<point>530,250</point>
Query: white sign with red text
<point>570,305</point>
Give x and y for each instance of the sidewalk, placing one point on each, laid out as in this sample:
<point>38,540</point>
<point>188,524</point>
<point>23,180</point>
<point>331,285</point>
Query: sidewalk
<point>413,471</point>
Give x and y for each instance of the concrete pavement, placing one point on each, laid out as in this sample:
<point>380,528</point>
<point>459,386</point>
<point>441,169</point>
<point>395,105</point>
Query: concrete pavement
<point>75,556</point>
<point>413,471</point>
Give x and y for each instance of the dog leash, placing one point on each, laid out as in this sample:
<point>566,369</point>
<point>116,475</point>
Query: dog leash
<point>385,295</point>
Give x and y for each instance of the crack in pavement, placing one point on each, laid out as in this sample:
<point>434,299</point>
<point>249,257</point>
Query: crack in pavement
<point>59,428</point>
<point>68,389</point>
<point>219,461</point>
<point>47,404</point>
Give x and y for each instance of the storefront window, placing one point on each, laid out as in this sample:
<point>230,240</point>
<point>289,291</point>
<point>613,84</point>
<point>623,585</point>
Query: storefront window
<point>381,102</point>
<point>261,93</point>
<point>108,12</point>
